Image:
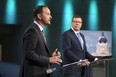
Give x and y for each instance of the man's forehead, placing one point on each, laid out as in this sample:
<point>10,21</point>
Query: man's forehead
<point>46,10</point>
<point>77,19</point>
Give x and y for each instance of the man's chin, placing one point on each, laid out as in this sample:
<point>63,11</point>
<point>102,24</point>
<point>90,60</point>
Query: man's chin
<point>77,29</point>
<point>48,24</point>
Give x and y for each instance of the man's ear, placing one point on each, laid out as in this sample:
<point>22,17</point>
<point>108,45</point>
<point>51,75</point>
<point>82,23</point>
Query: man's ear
<point>39,16</point>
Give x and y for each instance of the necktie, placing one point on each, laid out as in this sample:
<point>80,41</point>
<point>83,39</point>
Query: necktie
<point>43,36</point>
<point>80,39</point>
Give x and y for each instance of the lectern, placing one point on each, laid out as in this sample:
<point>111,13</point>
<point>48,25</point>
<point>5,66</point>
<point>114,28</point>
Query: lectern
<point>101,70</point>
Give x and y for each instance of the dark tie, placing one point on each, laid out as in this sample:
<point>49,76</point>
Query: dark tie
<point>80,39</point>
<point>44,36</point>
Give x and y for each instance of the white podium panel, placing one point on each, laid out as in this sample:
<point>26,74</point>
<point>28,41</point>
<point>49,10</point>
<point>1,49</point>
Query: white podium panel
<point>99,72</point>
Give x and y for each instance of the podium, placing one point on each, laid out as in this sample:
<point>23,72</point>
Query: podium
<point>101,70</point>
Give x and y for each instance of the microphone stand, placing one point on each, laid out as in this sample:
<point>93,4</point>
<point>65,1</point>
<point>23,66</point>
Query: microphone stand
<point>66,65</point>
<point>50,70</point>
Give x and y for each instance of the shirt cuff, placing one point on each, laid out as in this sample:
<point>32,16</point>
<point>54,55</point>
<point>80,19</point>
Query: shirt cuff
<point>95,59</point>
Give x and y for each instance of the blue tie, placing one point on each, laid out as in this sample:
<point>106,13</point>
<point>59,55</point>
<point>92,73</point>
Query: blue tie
<point>80,39</point>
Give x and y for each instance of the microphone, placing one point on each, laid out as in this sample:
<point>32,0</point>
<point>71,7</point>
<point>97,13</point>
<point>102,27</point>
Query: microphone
<point>50,70</point>
<point>56,52</point>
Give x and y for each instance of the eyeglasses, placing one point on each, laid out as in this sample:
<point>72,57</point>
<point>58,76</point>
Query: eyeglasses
<point>77,21</point>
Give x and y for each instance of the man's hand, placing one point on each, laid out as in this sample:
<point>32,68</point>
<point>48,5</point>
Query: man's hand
<point>100,61</point>
<point>56,53</point>
<point>55,59</point>
<point>84,62</point>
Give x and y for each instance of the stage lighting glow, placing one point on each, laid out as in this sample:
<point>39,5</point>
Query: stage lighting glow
<point>10,15</point>
<point>41,2</point>
<point>93,16</point>
<point>114,20</point>
<point>67,15</point>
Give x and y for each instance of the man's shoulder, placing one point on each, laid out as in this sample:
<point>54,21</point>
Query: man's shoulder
<point>31,28</point>
<point>68,31</point>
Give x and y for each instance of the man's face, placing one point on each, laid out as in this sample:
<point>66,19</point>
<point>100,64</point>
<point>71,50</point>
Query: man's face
<point>46,16</point>
<point>77,24</point>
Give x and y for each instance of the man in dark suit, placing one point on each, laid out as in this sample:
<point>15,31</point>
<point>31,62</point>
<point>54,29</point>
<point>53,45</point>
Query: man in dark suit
<point>74,49</point>
<point>37,58</point>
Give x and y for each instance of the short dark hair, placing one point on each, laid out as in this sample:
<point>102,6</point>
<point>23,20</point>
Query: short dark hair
<point>76,16</point>
<point>38,10</point>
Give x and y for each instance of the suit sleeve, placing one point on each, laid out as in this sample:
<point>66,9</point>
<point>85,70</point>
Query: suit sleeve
<point>30,41</point>
<point>87,54</point>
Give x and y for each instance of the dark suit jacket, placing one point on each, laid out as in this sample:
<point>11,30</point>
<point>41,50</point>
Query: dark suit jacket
<point>36,53</point>
<point>73,52</point>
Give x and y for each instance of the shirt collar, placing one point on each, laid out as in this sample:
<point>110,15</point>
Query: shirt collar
<point>41,28</point>
<point>75,31</point>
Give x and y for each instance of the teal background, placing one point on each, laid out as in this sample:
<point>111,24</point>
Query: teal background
<point>16,15</point>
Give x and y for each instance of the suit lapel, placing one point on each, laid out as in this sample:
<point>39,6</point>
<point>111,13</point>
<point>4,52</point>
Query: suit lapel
<point>39,31</point>
<point>83,40</point>
<point>40,34</point>
<point>75,37</point>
